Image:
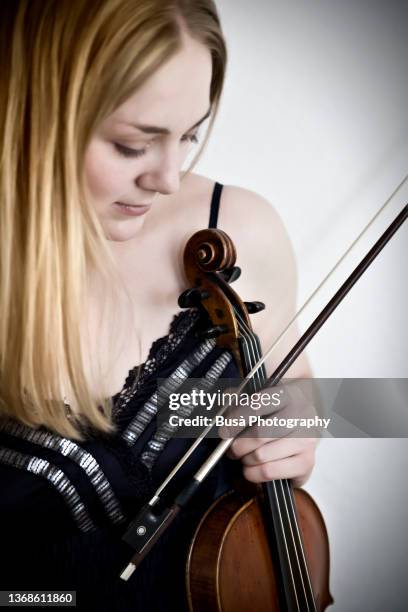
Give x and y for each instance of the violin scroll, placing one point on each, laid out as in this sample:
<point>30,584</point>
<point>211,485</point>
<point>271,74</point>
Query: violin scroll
<point>209,250</point>
<point>209,264</point>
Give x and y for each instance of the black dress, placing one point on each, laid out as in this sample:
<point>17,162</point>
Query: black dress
<point>64,506</point>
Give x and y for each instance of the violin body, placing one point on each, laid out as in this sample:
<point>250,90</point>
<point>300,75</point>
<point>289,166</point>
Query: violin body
<point>230,567</point>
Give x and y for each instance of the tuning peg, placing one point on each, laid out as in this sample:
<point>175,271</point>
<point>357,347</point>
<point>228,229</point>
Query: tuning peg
<point>192,297</point>
<point>213,332</point>
<point>231,274</point>
<point>254,307</point>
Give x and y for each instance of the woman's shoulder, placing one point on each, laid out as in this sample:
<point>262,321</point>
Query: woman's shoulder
<point>252,222</point>
<point>241,209</point>
<point>264,252</point>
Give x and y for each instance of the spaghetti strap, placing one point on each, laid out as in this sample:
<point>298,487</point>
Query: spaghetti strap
<point>215,205</point>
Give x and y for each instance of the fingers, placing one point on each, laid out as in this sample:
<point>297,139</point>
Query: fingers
<point>296,467</point>
<point>275,449</point>
<point>266,459</point>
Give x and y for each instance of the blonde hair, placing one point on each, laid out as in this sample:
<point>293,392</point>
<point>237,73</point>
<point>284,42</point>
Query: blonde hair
<point>65,65</point>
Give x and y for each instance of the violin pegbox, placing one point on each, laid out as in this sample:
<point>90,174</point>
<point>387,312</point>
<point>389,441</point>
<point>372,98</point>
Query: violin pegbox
<point>210,267</point>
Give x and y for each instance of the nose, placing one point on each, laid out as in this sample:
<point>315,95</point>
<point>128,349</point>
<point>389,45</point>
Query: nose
<point>163,174</point>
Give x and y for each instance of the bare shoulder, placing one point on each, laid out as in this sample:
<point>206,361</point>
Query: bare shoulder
<point>254,225</point>
<point>244,212</point>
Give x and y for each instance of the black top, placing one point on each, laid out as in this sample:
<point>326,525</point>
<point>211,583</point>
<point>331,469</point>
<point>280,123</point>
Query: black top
<point>64,505</point>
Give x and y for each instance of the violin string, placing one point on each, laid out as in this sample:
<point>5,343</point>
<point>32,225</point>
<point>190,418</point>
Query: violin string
<point>249,339</point>
<point>290,518</point>
<point>297,542</point>
<point>301,548</point>
<point>294,588</point>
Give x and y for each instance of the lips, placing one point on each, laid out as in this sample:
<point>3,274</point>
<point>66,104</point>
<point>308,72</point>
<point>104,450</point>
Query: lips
<point>134,205</point>
<point>131,210</point>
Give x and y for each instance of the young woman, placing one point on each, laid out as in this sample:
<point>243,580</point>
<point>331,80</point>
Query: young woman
<point>101,101</point>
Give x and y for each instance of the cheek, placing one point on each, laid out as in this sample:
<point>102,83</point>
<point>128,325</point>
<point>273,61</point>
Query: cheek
<point>105,176</point>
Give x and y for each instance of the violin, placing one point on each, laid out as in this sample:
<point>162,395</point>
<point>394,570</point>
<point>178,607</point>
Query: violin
<point>258,547</point>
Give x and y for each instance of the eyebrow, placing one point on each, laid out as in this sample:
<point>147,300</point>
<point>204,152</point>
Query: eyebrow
<point>154,129</point>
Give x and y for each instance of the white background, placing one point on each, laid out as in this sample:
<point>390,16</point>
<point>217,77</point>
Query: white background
<point>314,118</point>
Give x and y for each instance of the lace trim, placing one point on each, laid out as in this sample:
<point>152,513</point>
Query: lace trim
<point>159,352</point>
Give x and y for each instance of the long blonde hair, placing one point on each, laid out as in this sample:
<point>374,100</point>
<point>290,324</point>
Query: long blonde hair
<point>65,65</point>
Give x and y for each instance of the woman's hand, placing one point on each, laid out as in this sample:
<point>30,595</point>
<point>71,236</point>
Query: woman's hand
<point>270,452</point>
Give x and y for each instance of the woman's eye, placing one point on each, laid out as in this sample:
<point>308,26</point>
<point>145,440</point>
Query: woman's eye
<point>127,152</point>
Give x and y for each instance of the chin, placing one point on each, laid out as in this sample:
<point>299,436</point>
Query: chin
<point>123,232</point>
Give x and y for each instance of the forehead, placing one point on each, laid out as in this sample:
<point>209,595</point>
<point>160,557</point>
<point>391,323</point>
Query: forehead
<point>174,96</point>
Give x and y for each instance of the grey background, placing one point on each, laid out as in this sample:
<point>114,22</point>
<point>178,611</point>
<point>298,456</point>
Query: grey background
<point>314,119</point>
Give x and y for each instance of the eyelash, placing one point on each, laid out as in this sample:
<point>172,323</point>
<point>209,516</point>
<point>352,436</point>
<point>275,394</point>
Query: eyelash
<point>128,152</point>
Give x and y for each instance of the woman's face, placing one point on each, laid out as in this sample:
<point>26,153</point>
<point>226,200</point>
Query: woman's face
<point>138,151</point>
